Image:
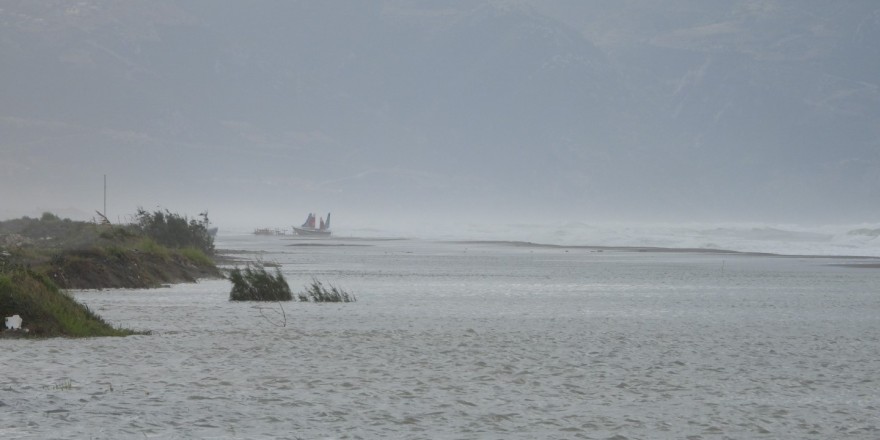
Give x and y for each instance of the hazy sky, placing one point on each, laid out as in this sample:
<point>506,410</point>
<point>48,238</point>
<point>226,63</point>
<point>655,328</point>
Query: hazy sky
<point>441,111</point>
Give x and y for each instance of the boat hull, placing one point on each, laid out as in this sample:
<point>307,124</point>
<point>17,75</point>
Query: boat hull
<point>310,232</point>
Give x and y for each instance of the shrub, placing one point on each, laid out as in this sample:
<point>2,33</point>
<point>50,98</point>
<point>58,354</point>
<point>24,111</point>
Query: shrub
<point>117,233</point>
<point>49,217</point>
<point>317,292</point>
<point>175,231</point>
<point>254,283</point>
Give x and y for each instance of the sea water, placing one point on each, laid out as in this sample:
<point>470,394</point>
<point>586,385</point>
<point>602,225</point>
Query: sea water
<point>470,340</point>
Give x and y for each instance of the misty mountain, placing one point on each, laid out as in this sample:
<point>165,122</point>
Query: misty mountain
<point>724,110</point>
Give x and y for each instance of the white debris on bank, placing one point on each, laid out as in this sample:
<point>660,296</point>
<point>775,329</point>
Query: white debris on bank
<point>13,322</point>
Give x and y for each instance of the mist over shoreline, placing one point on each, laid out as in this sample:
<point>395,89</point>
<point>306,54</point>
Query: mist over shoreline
<point>438,114</point>
<point>844,239</point>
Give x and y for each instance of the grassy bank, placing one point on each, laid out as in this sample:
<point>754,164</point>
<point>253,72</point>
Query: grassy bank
<point>46,310</point>
<point>160,248</point>
<point>39,257</point>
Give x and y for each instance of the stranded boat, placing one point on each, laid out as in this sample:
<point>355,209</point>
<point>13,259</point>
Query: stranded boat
<point>308,228</point>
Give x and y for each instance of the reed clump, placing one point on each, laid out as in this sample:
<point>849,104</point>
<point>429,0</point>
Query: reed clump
<point>318,292</point>
<point>255,283</point>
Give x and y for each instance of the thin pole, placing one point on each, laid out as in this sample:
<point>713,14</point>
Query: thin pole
<point>105,197</point>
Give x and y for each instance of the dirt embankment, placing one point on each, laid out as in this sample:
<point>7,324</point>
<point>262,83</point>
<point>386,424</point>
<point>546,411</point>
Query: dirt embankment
<point>90,269</point>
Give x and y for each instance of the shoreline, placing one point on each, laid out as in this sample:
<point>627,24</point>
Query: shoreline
<point>661,249</point>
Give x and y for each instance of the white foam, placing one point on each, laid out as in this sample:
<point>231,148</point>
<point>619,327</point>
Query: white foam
<point>786,239</point>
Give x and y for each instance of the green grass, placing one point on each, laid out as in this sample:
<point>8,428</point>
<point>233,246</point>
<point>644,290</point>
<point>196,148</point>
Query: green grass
<point>150,246</point>
<point>197,256</point>
<point>47,311</point>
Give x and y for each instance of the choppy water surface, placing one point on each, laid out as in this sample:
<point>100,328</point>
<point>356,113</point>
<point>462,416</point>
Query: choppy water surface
<point>470,340</point>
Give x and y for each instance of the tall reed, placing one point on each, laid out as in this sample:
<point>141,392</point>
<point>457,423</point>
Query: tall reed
<point>317,292</point>
<point>254,283</point>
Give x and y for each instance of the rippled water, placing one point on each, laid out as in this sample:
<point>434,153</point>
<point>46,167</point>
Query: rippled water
<point>470,340</point>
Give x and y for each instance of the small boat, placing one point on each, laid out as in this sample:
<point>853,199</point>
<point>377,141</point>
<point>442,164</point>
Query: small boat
<point>308,228</point>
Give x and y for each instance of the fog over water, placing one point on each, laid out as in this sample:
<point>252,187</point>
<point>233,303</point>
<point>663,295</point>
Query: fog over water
<point>413,116</point>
